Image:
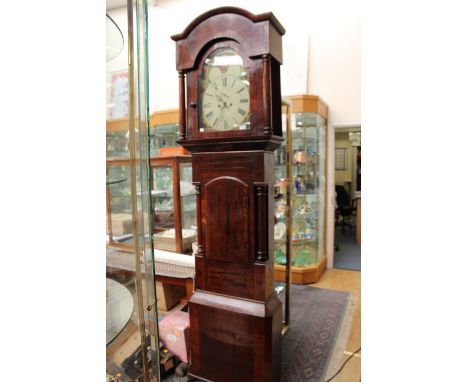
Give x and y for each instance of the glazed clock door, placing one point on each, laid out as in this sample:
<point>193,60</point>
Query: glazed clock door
<point>226,224</point>
<point>224,92</point>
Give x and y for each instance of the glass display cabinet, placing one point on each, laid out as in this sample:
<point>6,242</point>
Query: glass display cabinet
<point>300,192</point>
<point>174,203</point>
<point>282,252</point>
<point>132,339</point>
<point>164,132</point>
<point>117,139</point>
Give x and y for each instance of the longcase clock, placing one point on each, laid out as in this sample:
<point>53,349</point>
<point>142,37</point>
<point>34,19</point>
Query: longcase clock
<point>228,61</point>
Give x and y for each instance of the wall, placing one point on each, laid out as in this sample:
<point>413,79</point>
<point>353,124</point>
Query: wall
<point>341,176</point>
<point>333,64</point>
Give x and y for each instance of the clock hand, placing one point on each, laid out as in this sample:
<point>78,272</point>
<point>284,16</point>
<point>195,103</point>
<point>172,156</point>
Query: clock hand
<point>222,100</point>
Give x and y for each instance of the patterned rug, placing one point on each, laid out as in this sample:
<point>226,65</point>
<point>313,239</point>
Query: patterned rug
<point>319,327</point>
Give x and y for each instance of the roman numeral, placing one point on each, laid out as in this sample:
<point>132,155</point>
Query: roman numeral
<point>215,122</point>
<point>208,94</point>
<point>215,86</point>
<point>241,112</point>
<point>243,88</point>
<point>224,81</point>
<point>225,125</point>
<point>207,105</point>
<point>209,115</point>
<point>244,100</point>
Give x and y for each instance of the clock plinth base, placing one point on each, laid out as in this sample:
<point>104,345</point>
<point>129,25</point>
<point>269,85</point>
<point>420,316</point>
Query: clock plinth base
<point>235,340</point>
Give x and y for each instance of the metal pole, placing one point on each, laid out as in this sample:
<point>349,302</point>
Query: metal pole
<point>142,47</point>
<point>287,299</point>
<point>133,163</point>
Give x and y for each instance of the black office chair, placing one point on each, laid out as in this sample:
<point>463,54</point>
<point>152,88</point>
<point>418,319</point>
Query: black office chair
<point>345,208</point>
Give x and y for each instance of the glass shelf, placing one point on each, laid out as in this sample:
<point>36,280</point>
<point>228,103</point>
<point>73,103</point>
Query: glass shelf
<point>115,40</point>
<point>110,181</point>
<point>119,309</point>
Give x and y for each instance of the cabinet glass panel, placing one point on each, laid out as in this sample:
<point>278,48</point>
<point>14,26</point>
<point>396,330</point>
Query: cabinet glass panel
<point>117,144</point>
<point>281,201</point>
<point>308,188</point>
<point>119,205</point>
<point>130,284</point>
<point>187,201</point>
<point>163,198</point>
<point>174,221</point>
<point>163,136</point>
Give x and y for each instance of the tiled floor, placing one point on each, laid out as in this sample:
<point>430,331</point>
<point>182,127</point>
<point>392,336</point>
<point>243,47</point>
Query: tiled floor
<point>350,281</point>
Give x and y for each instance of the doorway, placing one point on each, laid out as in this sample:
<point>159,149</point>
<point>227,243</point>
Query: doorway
<point>347,173</point>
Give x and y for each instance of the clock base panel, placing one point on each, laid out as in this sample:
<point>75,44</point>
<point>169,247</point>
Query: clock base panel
<point>235,340</point>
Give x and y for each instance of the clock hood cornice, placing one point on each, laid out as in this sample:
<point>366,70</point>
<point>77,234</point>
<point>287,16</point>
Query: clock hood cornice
<point>262,27</point>
<point>234,10</point>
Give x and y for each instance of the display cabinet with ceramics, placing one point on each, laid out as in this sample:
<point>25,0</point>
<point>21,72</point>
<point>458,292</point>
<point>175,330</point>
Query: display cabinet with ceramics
<point>164,132</point>
<point>174,203</point>
<point>304,192</point>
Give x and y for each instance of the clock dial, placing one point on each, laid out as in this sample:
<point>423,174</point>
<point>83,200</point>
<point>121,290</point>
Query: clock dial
<point>225,93</point>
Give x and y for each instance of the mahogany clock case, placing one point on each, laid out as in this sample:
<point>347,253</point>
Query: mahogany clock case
<point>235,315</point>
<point>257,39</point>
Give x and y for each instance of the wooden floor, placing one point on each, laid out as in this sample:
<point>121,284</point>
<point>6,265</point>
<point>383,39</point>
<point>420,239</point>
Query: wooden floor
<point>342,280</point>
<point>349,281</point>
